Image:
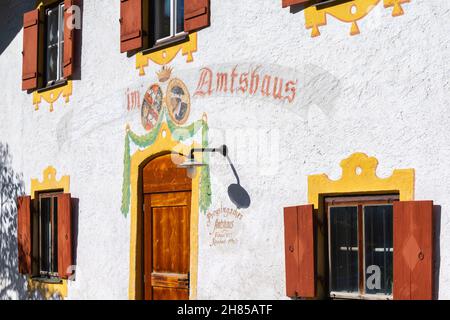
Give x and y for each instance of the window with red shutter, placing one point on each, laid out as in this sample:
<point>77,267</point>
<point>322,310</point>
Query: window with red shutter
<point>24,234</point>
<point>31,28</point>
<point>130,25</point>
<point>65,256</point>
<point>196,15</point>
<point>413,250</point>
<point>69,39</point>
<point>300,252</point>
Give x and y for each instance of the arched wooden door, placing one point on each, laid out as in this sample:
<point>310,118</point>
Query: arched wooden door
<point>167,211</point>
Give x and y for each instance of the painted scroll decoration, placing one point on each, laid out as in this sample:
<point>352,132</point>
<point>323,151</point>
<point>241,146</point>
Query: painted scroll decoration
<point>349,12</point>
<point>166,55</point>
<point>172,108</point>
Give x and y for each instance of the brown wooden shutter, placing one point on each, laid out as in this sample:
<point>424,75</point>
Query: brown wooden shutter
<point>299,251</point>
<point>69,39</point>
<point>130,25</point>
<point>413,250</point>
<point>24,234</point>
<point>30,50</point>
<point>287,3</point>
<point>196,15</point>
<point>65,260</point>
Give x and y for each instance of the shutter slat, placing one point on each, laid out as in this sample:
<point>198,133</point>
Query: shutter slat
<point>30,50</point>
<point>69,39</point>
<point>130,25</point>
<point>287,3</point>
<point>24,234</point>
<point>65,260</point>
<point>196,15</point>
<point>300,252</point>
<point>413,250</point>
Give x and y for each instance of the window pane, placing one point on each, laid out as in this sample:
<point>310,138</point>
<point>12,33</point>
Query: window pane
<point>55,236</point>
<point>52,26</point>
<point>378,239</point>
<point>52,63</point>
<point>61,41</point>
<point>45,234</point>
<point>161,19</point>
<point>180,16</point>
<point>344,249</point>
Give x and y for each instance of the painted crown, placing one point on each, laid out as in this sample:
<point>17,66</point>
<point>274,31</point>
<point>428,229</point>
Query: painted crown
<point>164,74</point>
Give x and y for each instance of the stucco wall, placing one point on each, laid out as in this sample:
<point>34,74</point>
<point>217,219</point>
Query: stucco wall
<point>384,92</point>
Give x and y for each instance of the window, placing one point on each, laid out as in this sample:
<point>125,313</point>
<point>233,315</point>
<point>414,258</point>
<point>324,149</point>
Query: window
<point>54,43</point>
<point>44,234</point>
<point>48,235</point>
<point>151,25</point>
<point>167,20</point>
<point>48,56</point>
<point>360,246</point>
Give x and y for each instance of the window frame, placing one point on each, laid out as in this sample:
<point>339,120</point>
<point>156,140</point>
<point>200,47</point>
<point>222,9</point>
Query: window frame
<point>359,201</point>
<point>58,5</point>
<point>174,35</point>
<point>46,275</point>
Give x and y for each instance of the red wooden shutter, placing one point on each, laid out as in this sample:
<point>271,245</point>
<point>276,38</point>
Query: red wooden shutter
<point>30,50</point>
<point>24,234</point>
<point>130,25</point>
<point>413,250</point>
<point>64,236</point>
<point>299,252</point>
<point>69,40</point>
<point>287,3</point>
<point>196,15</point>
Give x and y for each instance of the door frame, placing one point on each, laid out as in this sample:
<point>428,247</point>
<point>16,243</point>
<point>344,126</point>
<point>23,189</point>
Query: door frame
<point>163,145</point>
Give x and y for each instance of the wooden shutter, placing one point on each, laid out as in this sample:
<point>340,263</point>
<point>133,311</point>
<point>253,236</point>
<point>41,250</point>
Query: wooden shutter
<point>69,39</point>
<point>287,3</point>
<point>299,252</point>
<point>65,260</point>
<point>30,50</point>
<point>130,25</point>
<point>413,250</point>
<point>24,234</point>
<point>196,15</point>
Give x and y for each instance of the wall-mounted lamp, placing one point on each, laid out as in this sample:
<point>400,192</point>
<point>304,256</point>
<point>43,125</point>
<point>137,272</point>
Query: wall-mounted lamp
<point>238,195</point>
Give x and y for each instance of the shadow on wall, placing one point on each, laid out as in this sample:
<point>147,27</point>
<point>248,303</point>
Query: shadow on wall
<point>13,285</point>
<point>11,20</point>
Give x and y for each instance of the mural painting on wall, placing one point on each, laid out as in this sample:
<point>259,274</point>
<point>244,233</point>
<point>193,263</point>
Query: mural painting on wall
<point>223,226</point>
<point>350,12</point>
<point>165,103</point>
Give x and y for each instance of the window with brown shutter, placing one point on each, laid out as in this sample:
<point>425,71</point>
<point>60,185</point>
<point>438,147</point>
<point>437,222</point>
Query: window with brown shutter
<point>413,250</point>
<point>49,45</point>
<point>376,248</point>
<point>24,236</point>
<point>49,226</point>
<point>300,252</point>
<point>152,25</point>
<point>31,28</point>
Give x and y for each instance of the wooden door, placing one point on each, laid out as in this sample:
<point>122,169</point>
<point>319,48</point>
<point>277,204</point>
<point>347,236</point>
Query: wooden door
<point>167,208</point>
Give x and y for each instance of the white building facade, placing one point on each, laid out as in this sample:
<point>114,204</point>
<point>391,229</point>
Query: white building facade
<point>334,178</point>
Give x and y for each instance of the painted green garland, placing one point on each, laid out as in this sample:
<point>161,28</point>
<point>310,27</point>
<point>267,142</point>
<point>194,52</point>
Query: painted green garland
<point>179,134</point>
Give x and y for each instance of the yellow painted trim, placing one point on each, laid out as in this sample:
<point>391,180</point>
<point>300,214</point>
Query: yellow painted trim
<point>49,182</point>
<point>51,96</point>
<point>166,55</point>
<point>349,12</point>
<point>163,144</point>
<point>402,180</point>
